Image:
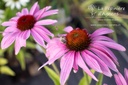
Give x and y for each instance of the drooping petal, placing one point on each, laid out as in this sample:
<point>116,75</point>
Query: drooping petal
<point>52,45</point>
<point>106,51</point>
<point>91,62</point>
<point>25,35</point>
<point>8,40</point>
<point>46,30</point>
<point>84,67</point>
<point>19,42</point>
<point>102,38</point>
<point>51,60</point>
<point>41,12</point>
<point>46,22</point>
<point>103,66</point>
<point>56,51</point>
<point>10,29</point>
<point>9,23</point>
<point>42,34</point>
<point>68,29</point>
<point>48,13</point>
<point>112,45</point>
<point>75,65</point>
<point>38,38</point>
<point>126,74</point>
<point>57,56</point>
<point>120,79</point>
<point>101,31</point>
<point>105,58</point>
<point>66,67</point>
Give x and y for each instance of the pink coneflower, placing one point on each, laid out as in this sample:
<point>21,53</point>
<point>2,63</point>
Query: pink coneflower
<point>78,48</point>
<point>25,23</point>
<point>120,80</point>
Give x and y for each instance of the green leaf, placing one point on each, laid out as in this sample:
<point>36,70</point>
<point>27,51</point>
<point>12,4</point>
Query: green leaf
<point>100,78</point>
<point>86,80</point>
<point>3,61</point>
<point>2,52</point>
<point>83,81</point>
<point>52,75</point>
<point>30,45</point>
<point>21,58</point>
<point>6,70</point>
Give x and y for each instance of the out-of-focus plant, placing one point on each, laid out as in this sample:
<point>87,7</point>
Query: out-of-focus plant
<point>4,69</point>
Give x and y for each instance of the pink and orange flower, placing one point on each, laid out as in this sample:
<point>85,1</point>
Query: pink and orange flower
<point>79,48</point>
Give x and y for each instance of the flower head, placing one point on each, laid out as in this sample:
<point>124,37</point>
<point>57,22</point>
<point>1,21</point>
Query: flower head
<point>120,80</point>
<point>15,3</point>
<point>25,23</point>
<point>78,48</point>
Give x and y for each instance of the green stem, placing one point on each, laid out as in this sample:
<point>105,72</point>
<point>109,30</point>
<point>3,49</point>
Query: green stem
<point>55,68</point>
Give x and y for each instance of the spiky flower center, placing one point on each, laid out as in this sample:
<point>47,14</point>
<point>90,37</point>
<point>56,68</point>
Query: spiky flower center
<point>77,40</point>
<point>26,22</point>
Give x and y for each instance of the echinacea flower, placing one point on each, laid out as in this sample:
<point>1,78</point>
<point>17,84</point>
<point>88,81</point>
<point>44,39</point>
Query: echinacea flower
<point>78,48</point>
<point>25,23</point>
<point>15,3</point>
<point>120,80</point>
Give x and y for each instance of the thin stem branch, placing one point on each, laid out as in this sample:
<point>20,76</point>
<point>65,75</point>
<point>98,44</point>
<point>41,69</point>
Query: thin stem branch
<point>55,68</point>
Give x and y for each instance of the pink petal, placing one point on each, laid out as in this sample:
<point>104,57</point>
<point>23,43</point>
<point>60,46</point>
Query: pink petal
<point>48,13</point>
<point>18,44</point>
<point>56,50</point>
<point>51,60</point>
<point>25,11</point>
<point>75,65</point>
<point>100,38</point>
<point>117,79</point>
<point>57,56</point>
<point>46,22</point>
<point>68,29</point>
<point>9,23</point>
<point>112,45</point>
<point>84,67</point>
<point>37,37</point>
<point>19,14</point>
<point>91,62</point>
<point>10,30</point>
<point>41,12</point>
<point>66,67</point>
<point>106,51</point>
<point>105,58</point>
<point>34,8</point>
<point>105,84</point>
<point>103,66</point>
<point>14,19</point>
<point>120,79</point>
<point>126,74</point>
<point>46,30</point>
<point>52,45</point>
<point>25,35</point>
<point>42,34</point>
<point>101,31</point>
<point>8,40</point>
